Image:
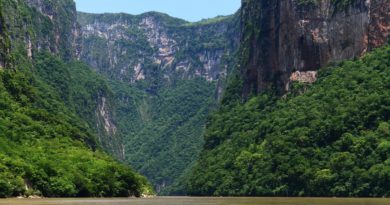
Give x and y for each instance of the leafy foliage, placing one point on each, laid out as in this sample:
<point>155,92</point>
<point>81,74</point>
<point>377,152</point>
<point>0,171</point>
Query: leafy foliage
<point>164,137</point>
<point>332,140</point>
<point>160,109</point>
<point>41,147</point>
<point>47,110</point>
<point>78,87</point>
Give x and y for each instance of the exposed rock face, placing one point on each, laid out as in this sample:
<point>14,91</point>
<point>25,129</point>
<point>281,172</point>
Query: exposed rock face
<point>104,114</point>
<point>379,22</point>
<point>129,48</point>
<point>64,35</point>
<point>50,26</point>
<point>42,26</point>
<point>107,129</point>
<point>4,41</point>
<point>166,75</point>
<point>283,36</point>
<point>304,76</point>
<point>47,26</point>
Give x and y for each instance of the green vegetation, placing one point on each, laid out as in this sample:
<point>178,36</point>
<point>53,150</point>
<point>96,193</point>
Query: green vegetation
<point>25,23</point>
<point>161,116</point>
<point>48,143</point>
<point>169,139</point>
<point>164,137</point>
<point>44,146</point>
<point>81,90</point>
<point>192,40</point>
<point>333,139</point>
<point>209,21</point>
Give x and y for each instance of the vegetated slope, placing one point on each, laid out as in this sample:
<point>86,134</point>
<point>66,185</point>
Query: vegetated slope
<point>166,76</point>
<point>270,139</point>
<point>48,148</point>
<point>169,142</point>
<point>164,128</point>
<point>46,145</point>
<point>331,138</point>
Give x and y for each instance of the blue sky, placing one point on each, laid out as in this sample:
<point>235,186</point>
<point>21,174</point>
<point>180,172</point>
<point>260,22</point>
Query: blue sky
<point>190,10</point>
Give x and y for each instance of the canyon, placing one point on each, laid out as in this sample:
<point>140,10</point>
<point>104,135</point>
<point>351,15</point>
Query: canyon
<point>281,98</point>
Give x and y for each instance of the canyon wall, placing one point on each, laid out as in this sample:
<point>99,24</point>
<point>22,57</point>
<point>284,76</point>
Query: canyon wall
<point>167,75</point>
<point>30,28</point>
<point>284,36</point>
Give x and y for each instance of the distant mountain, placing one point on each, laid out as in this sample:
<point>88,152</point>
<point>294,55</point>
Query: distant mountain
<point>166,75</point>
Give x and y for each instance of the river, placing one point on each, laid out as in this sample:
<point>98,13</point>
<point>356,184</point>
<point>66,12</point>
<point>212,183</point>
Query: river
<point>198,201</point>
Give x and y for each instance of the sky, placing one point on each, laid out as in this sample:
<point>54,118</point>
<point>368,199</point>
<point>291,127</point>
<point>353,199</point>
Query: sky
<point>190,10</point>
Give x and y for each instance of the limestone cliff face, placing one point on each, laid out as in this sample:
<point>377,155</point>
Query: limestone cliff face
<point>40,25</point>
<point>28,27</point>
<point>106,127</point>
<point>4,41</point>
<point>64,38</point>
<point>64,34</point>
<point>284,36</point>
<point>133,48</point>
<point>166,75</point>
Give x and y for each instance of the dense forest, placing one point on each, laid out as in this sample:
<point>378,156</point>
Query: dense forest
<point>168,141</point>
<point>331,138</point>
<point>166,75</point>
<point>45,145</point>
<point>279,99</point>
<point>307,112</point>
<point>48,142</point>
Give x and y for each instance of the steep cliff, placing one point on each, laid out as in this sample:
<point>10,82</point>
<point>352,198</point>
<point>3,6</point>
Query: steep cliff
<point>127,48</point>
<point>332,139</point>
<point>37,26</point>
<point>48,103</point>
<point>167,75</point>
<point>283,37</point>
<point>290,126</point>
<point>4,40</point>
<point>42,25</point>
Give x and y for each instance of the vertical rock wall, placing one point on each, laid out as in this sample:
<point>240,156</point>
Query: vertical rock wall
<point>284,36</point>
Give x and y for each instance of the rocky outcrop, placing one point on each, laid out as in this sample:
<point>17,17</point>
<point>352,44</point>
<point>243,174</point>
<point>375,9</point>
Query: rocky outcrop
<point>44,26</point>
<point>65,31</point>
<point>4,41</point>
<point>284,36</point>
<point>304,76</point>
<point>51,26</point>
<point>104,114</point>
<point>107,129</point>
<point>164,73</point>
<point>129,48</point>
<point>379,23</point>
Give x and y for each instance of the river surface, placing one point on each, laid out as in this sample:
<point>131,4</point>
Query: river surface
<point>198,201</point>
